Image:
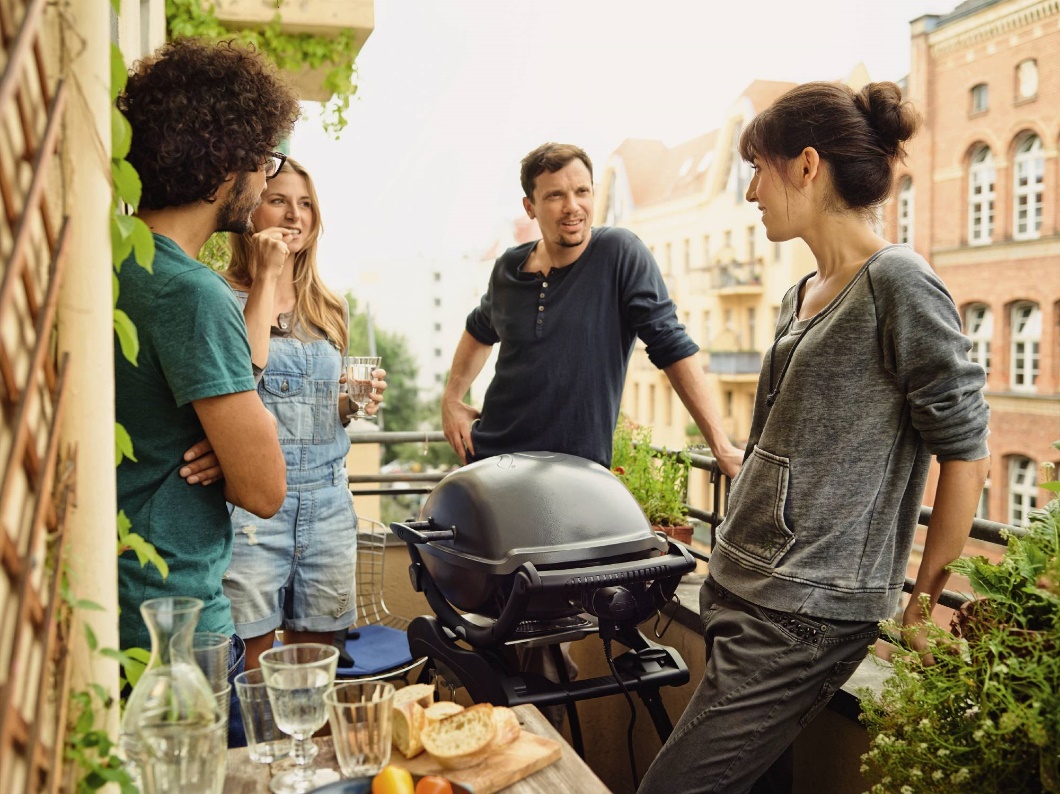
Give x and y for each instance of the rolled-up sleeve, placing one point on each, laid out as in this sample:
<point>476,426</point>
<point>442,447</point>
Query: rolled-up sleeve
<point>922,344</point>
<point>649,309</point>
<point>480,321</point>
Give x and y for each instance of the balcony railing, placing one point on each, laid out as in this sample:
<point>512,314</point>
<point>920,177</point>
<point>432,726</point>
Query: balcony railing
<point>988,531</point>
<point>737,274</point>
<point>746,362</point>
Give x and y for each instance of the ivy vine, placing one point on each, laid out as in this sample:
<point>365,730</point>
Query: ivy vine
<point>289,51</point>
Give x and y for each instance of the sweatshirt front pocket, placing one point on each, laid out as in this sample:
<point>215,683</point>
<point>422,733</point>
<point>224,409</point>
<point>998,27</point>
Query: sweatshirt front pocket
<point>755,530</point>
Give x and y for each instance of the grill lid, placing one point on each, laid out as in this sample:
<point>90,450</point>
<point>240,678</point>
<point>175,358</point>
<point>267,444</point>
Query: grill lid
<point>544,507</point>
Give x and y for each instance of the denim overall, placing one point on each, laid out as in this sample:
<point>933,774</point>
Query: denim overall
<point>296,569</point>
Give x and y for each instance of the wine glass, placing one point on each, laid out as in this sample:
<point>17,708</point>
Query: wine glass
<point>296,677</point>
<point>359,371</point>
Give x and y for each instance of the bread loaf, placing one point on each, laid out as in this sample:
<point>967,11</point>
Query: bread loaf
<point>462,739</point>
<point>418,693</point>
<point>406,726</point>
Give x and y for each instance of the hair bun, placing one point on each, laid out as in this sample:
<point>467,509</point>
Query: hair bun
<point>895,121</point>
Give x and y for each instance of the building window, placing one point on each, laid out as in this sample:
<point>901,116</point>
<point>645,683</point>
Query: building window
<point>1027,189</point>
<point>437,276</point>
<point>979,325</point>
<point>751,318</point>
<point>437,301</point>
<point>728,403</point>
<point>1026,333</point>
<point>668,259</point>
<point>651,403</point>
<point>437,352</point>
<point>706,250</point>
<point>981,197</point>
<point>687,255</point>
<point>1022,490</point>
<point>728,239</point>
<point>751,244</point>
<point>1027,79</point>
<point>728,319</point>
<point>980,98</point>
<point>905,211</point>
<point>706,329</point>
<point>437,327</point>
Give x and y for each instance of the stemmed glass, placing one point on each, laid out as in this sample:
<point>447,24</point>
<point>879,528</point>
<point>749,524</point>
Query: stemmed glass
<point>359,371</point>
<point>296,677</point>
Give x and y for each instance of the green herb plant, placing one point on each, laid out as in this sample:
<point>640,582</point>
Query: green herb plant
<point>658,480</point>
<point>984,717</point>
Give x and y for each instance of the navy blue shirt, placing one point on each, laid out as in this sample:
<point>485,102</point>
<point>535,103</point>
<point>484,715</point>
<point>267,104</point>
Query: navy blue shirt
<point>566,339</point>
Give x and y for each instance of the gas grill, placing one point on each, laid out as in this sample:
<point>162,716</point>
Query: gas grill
<point>538,548</point>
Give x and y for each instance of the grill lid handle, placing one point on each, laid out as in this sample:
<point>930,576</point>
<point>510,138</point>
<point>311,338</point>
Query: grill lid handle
<point>420,532</point>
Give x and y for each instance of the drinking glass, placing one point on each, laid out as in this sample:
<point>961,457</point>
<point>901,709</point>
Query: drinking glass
<point>212,651</point>
<point>265,741</point>
<point>296,677</point>
<point>359,714</point>
<point>359,382</point>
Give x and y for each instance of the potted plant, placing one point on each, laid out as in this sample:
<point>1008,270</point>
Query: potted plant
<point>985,715</point>
<point>657,480</point>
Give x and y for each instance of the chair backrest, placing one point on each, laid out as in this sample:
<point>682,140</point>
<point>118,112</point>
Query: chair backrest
<point>371,554</point>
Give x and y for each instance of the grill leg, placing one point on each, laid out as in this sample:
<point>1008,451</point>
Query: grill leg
<point>657,710</point>
<point>572,708</point>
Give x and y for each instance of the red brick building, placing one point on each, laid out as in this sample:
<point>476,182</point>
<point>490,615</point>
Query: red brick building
<point>979,197</point>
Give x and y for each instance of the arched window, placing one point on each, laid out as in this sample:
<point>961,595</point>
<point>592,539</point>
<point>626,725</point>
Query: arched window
<point>1026,333</point>
<point>981,197</point>
<point>980,96</point>
<point>905,211</point>
<point>1027,79</point>
<point>979,326</point>
<point>1022,489</point>
<point>1029,173</point>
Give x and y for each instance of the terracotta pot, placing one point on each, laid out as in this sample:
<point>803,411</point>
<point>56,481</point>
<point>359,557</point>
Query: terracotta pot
<point>682,534</point>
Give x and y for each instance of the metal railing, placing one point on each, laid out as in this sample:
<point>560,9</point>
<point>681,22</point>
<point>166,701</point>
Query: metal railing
<point>987,531</point>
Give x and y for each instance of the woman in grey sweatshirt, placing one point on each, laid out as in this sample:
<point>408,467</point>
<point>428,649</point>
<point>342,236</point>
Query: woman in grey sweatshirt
<point>867,378</point>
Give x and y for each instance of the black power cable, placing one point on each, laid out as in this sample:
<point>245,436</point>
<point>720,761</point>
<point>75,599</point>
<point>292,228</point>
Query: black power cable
<point>632,710</point>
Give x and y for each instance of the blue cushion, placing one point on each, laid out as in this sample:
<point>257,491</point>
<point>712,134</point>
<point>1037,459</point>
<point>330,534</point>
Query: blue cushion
<point>376,650</point>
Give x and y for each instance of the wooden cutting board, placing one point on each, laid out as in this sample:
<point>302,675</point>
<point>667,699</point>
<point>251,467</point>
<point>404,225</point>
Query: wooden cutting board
<point>520,759</point>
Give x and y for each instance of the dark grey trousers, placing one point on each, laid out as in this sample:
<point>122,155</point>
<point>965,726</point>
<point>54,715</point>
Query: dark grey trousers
<point>768,674</point>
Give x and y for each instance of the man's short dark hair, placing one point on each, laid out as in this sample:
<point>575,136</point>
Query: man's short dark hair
<point>199,111</point>
<point>549,157</point>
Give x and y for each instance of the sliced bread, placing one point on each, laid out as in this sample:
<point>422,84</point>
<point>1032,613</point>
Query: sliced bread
<point>442,709</point>
<point>462,739</point>
<point>506,728</point>
<point>407,721</point>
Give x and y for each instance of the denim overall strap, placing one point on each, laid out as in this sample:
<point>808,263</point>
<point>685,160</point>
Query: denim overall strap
<point>300,386</point>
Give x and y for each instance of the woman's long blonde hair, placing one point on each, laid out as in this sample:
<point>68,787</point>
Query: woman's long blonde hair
<point>316,306</point>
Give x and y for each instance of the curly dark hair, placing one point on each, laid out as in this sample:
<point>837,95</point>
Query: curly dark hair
<point>199,111</point>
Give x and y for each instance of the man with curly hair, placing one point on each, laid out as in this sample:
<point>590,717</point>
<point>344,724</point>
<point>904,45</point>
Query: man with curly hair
<point>205,119</point>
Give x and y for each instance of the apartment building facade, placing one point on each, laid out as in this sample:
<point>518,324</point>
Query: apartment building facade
<point>979,197</point>
<point>687,204</point>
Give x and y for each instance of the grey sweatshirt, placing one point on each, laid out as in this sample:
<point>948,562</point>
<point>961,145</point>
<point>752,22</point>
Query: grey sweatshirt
<point>822,514</point>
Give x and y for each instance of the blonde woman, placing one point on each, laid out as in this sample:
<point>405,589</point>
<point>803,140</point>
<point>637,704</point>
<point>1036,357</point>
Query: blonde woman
<point>295,571</point>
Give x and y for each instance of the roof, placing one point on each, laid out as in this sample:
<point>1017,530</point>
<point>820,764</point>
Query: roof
<point>965,9</point>
<point>657,173</point>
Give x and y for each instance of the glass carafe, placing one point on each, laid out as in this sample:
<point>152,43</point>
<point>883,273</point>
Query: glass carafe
<point>172,732</point>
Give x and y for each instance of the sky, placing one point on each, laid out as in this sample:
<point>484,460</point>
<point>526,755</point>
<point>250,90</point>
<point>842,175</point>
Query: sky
<point>452,93</point>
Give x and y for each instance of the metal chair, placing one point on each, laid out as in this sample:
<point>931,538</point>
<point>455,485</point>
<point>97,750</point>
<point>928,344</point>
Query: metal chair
<point>377,643</point>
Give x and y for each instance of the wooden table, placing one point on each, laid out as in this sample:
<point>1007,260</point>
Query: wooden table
<point>569,773</point>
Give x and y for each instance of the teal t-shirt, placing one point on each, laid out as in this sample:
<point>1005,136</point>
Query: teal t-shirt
<point>193,345</point>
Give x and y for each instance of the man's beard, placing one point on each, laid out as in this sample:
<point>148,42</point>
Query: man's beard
<point>235,214</point>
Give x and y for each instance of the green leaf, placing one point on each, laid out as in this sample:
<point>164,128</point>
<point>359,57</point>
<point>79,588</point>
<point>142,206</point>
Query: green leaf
<point>1051,486</point>
<point>121,227</point>
<point>146,553</point>
<point>101,693</point>
<point>120,135</point>
<point>119,74</point>
<point>124,524</point>
<point>143,244</point>
<point>115,287</point>
<point>127,184</point>
<point>129,341</point>
<point>89,606</point>
<point>123,448</point>
<point>90,638</point>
